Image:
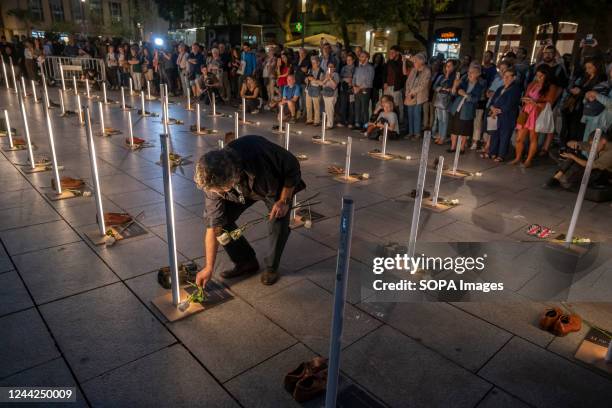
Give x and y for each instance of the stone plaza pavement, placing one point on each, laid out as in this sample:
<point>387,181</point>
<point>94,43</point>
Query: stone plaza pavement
<point>72,314</point>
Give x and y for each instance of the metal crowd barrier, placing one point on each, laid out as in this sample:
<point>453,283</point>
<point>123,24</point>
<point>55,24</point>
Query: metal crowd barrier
<point>53,66</point>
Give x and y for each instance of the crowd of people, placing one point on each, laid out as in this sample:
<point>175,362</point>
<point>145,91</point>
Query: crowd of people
<point>510,109</point>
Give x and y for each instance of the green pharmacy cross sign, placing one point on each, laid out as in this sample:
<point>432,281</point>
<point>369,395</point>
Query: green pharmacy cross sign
<point>298,27</point>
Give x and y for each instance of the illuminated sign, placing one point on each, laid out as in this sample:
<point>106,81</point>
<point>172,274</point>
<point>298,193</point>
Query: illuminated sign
<point>448,35</point>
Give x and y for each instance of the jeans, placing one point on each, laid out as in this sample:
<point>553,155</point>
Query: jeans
<point>240,251</point>
<point>441,123</point>
<point>137,78</point>
<point>362,108</point>
<point>346,108</point>
<point>413,114</point>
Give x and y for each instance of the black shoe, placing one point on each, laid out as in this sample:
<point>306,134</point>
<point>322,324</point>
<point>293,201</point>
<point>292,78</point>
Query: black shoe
<point>551,183</point>
<point>269,277</point>
<point>246,268</point>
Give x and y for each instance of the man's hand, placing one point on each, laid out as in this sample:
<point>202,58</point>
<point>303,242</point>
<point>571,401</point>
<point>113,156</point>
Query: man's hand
<point>203,276</point>
<point>572,144</point>
<point>569,156</point>
<point>279,209</point>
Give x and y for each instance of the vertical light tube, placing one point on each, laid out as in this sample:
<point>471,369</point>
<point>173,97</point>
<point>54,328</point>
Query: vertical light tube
<point>6,80</point>
<point>197,117</point>
<point>131,87</point>
<point>340,290</point>
<point>122,98</point>
<point>323,129</point>
<point>347,164</point>
<point>142,102</point>
<point>46,91</point>
<point>130,130</point>
<point>61,98</point>
<point>436,192</point>
<point>87,88</point>
<point>74,85</point>
<point>58,186</point>
<point>23,86</point>
<point>457,152</point>
<point>9,133</point>
<point>104,93</point>
<point>418,198</point>
<point>583,187</point>
<point>34,92</point>
<point>384,141</point>
<point>188,99</point>
<point>62,74</point>
<point>243,110</point>
<point>236,124</point>
<point>214,103</point>
<point>13,74</point>
<point>287,134</point>
<point>280,118</point>
<point>80,109</point>
<point>94,172</point>
<point>26,128</point>
<point>149,90</point>
<point>170,226</point>
<point>102,127</point>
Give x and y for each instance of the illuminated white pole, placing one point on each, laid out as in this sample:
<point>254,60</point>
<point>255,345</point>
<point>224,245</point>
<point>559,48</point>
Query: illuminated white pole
<point>80,110</point>
<point>170,226</point>
<point>457,152</point>
<point>280,118</point>
<point>418,198</point>
<point>149,90</point>
<point>220,144</point>
<point>243,110</point>
<point>608,358</point>
<point>122,98</point>
<point>142,102</point>
<point>62,74</point>
<point>236,123</point>
<point>101,110</point>
<point>23,86</point>
<point>131,87</point>
<point>287,137</point>
<point>46,91</point>
<point>58,186</point>
<point>9,133</point>
<point>74,85</point>
<point>197,117</point>
<point>347,165</point>
<point>583,187</point>
<point>94,172</point>
<point>130,130</point>
<point>34,92</point>
<point>104,93</point>
<point>87,88</point>
<point>340,291</point>
<point>26,129</point>
<point>436,192</point>
<point>6,80</point>
<point>61,97</point>
<point>323,130</point>
<point>13,73</point>
<point>188,99</point>
<point>214,103</point>
<point>384,140</point>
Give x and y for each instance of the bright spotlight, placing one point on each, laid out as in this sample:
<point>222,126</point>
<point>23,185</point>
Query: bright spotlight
<point>158,41</point>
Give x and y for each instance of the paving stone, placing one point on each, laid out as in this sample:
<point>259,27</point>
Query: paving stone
<point>466,232</point>
<point>461,337</point>
<point>5,261</point>
<point>85,212</point>
<point>305,310</point>
<point>103,329</point>
<point>13,295</point>
<point>545,380</point>
<point>155,214</point>
<point>185,384</point>
<point>302,251</point>
<point>120,183</point>
<point>262,386</point>
<point>62,271</point>
<point>231,338</point>
<point>15,182</point>
<point>500,399</point>
<point>131,258</point>
<point>19,198</point>
<point>404,373</point>
<point>136,198</point>
<point>54,373</point>
<point>189,236</point>
<point>177,183</point>
<point>25,342</point>
<point>28,215</point>
<point>188,195</point>
<point>38,236</point>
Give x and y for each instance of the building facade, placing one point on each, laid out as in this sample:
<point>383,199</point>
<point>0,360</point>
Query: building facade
<point>133,19</point>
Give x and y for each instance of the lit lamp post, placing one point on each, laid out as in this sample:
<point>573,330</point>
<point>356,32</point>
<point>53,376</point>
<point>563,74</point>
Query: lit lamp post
<point>303,21</point>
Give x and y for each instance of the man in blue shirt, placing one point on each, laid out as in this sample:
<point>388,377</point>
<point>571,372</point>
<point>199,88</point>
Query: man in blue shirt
<point>362,89</point>
<point>291,96</point>
<point>248,60</point>
<point>195,62</point>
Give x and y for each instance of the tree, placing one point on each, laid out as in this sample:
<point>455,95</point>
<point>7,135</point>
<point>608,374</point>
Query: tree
<point>281,15</point>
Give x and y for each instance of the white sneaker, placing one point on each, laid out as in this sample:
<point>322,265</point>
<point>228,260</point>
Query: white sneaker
<point>474,146</point>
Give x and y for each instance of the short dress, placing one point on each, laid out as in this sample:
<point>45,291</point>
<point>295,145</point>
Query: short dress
<point>461,127</point>
<point>531,110</point>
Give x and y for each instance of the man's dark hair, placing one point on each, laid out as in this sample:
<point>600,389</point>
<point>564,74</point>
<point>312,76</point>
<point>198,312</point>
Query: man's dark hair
<point>396,48</point>
<point>217,169</point>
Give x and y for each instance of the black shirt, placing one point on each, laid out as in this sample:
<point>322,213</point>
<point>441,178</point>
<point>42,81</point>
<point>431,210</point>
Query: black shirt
<point>266,169</point>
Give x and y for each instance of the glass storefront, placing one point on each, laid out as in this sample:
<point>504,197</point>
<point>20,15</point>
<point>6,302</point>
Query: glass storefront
<point>447,41</point>
<point>565,41</point>
<point>510,39</point>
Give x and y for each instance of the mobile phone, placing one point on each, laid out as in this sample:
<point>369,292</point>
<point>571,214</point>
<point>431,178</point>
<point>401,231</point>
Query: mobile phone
<point>589,39</point>
<point>458,75</point>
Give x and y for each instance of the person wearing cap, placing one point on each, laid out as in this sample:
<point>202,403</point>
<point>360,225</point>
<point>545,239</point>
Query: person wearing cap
<point>249,169</point>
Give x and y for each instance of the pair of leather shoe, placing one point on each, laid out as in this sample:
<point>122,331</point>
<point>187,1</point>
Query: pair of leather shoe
<point>308,380</point>
<point>69,183</point>
<point>112,218</point>
<point>559,323</point>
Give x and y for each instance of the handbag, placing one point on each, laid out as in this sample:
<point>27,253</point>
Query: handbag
<point>442,100</point>
<point>522,118</point>
<point>240,71</point>
<point>491,123</point>
<point>328,91</point>
<point>545,123</point>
